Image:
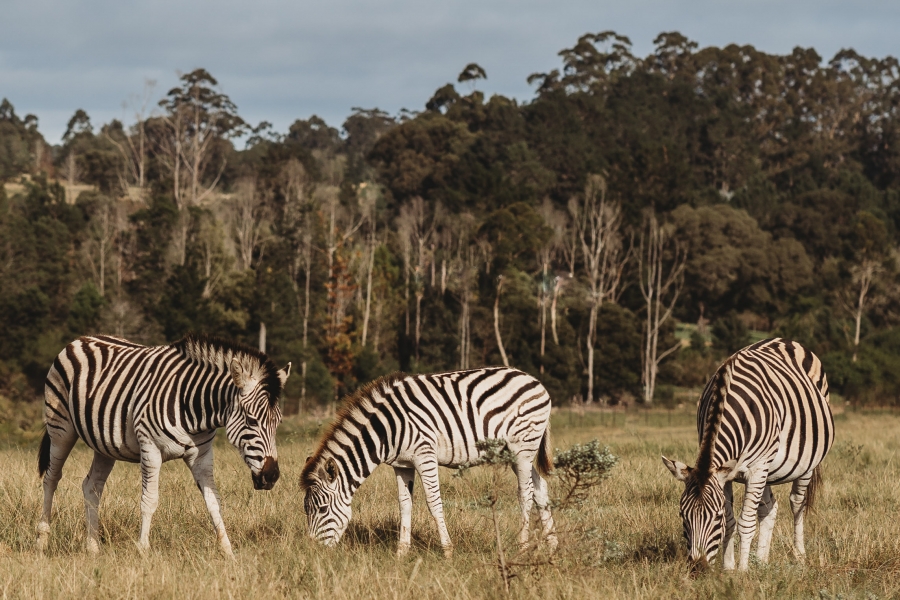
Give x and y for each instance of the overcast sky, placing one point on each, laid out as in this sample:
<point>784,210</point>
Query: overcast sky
<point>280,60</point>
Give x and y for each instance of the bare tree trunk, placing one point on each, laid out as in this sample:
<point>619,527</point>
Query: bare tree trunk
<point>419,295</point>
<point>592,329</point>
<point>655,284</point>
<point>543,304</point>
<point>553,310</point>
<point>864,275</point>
<point>308,259</point>
<point>497,322</point>
<point>371,268</point>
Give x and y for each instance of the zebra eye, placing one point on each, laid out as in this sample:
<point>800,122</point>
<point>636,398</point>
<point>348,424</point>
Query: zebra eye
<point>251,421</point>
<point>323,509</point>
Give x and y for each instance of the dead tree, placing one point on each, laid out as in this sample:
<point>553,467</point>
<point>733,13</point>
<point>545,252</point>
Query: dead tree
<point>368,197</point>
<point>248,219</point>
<point>661,262</point>
<point>598,223</point>
<point>548,291</point>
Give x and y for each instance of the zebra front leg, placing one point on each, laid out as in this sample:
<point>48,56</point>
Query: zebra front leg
<point>753,489</point>
<point>92,487</point>
<point>405,478</point>
<point>728,540</point>
<point>201,465</point>
<point>542,499</point>
<point>799,489</point>
<point>767,511</point>
<point>151,461</point>
<point>427,466</point>
<point>60,446</point>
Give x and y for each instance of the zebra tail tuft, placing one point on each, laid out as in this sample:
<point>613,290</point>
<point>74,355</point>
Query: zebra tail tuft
<point>44,453</point>
<point>812,490</point>
<point>544,458</point>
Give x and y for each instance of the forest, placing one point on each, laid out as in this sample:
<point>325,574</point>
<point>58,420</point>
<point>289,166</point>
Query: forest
<point>617,235</point>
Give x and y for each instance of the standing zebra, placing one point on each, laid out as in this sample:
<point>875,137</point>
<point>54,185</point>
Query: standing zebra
<point>763,419</point>
<point>417,422</point>
<point>149,405</point>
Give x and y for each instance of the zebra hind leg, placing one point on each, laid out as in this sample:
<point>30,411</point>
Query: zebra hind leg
<point>523,470</point>
<point>542,499</point>
<point>767,511</point>
<point>55,449</point>
<point>799,491</point>
<point>93,489</point>
<point>151,461</point>
<point>405,479</point>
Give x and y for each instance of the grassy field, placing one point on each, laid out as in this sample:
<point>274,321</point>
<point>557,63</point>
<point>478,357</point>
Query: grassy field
<point>625,542</point>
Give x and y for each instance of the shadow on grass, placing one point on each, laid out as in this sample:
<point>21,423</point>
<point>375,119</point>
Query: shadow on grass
<point>385,535</point>
<point>658,549</point>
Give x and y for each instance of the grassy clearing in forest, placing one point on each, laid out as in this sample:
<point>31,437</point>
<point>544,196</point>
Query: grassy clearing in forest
<point>625,542</point>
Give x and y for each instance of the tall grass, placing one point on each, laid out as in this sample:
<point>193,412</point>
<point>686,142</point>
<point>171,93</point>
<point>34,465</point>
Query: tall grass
<point>623,542</point>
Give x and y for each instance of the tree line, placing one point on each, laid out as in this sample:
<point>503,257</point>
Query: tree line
<point>616,235</point>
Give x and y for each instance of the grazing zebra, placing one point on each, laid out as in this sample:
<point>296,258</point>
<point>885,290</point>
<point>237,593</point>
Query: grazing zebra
<point>417,422</point>
<point>764,419</point>
<point>153,404</point>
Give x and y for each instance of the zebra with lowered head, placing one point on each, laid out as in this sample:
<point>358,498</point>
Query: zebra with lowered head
<point>763,419</point>
<point>152,404</point>
<point>415,423</point>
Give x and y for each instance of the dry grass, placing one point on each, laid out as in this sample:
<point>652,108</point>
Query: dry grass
<point>625,542</point>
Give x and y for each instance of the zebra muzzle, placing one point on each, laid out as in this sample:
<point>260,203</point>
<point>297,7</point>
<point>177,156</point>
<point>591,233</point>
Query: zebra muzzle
<point>267,476</point>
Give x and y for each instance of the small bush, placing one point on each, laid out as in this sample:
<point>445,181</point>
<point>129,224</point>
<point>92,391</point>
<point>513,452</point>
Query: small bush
<point>581,468</point>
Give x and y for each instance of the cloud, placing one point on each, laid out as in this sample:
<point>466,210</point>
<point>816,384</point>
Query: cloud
<point>282,60</point>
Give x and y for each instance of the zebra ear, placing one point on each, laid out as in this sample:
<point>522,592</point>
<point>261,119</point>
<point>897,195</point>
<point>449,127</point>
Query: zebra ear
<point>727,472</point>
<point>331,470</point>
<point>284,373</point>
<point>679,470</point>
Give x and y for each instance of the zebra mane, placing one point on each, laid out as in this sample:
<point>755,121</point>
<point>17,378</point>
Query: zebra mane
<point>719,386</point>
<point>350,403</point>
<point>219,352</point>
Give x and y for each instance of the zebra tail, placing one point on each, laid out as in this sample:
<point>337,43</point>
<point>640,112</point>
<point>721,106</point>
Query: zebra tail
<point>44,454</point>
<point>813,488</point>
<point>544,458</point>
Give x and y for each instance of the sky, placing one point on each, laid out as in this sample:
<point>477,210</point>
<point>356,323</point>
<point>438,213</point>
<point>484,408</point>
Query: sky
<point>280,60</point>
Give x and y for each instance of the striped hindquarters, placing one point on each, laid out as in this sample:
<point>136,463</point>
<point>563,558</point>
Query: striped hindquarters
<point>776,409</point>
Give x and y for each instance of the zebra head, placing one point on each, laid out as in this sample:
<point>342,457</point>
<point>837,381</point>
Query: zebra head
<point>255,417</point>
<point>702,509</point>
<point>326,504</point>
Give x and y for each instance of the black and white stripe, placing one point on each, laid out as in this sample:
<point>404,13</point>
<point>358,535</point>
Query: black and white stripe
<point>152,404</point>
<point>415,423</point>
<point>764,419</point>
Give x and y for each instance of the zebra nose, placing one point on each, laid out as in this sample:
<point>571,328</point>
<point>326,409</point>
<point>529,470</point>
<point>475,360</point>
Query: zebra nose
<point>267,476</point>
<point>699,565</point>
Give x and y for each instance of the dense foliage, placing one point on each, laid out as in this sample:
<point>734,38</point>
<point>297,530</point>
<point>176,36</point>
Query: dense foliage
<point>455,236</point>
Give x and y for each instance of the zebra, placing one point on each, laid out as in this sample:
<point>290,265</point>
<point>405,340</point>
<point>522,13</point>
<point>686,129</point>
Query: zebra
<point>415,423</point>
<point>153,404</point>
<point>764,419</point>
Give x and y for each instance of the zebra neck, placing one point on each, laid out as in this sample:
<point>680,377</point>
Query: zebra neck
<point>360,448</point>
<point>208,406</point>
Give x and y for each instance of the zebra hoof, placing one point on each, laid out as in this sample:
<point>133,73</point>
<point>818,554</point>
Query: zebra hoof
<point>448,551</point>
<point>142,548</point>
<point>92,547</point>
<point>402,550</point>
